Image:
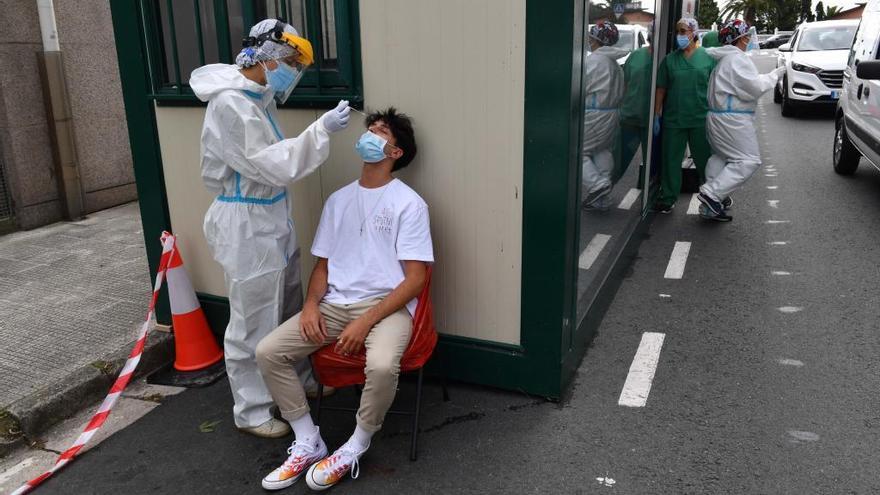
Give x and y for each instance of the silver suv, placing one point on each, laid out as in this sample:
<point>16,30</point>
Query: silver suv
<point>857,122</point>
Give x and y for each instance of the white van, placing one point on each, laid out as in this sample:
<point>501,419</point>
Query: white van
<point>857,122</point>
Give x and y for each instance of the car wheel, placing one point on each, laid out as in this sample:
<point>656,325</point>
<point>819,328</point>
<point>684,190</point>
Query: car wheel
<point>777,96</point>
<point>788,109</point>
<point>846,156</point>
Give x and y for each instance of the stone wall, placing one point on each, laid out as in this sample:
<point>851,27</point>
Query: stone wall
<point>101,135</point>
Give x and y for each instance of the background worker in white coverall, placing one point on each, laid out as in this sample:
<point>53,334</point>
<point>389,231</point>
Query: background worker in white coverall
<point>734,89</point>
<point>248,164</point>
<point>603,92</point>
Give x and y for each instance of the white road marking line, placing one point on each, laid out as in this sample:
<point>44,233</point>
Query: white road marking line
<point>790,309</point>
<point>665,296</point>
<point>790,362</point>
<point>606,481</point>
<point>694,205</point>
<point>628,200</point>
<point>777,243</point>
<point>675,268</point>
<point>779,274</point>
<point>772,188</point>
<point>802,436</point>
<point>591,252</point>
<point>14,470</point>
<point>774,222</point>
<point>771,175</point>
<point>641,372</point>
<point>774,203</point>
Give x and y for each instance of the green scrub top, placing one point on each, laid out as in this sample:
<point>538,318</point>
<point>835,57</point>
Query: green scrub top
<point>687,83</point>
<point>636,107</point>
<point>710,40</point>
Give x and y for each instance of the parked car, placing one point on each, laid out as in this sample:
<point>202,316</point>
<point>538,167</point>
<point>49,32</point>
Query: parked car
<point>775,41</point>
<point>814,60</point>
<point>857,121</point>
<point>632,37</point>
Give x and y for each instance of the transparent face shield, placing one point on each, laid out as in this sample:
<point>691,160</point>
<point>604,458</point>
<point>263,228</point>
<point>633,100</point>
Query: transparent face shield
<point>295,65</point>
<point>753,40</point>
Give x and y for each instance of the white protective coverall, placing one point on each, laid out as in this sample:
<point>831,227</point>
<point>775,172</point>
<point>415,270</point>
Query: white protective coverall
<point>603,93</point>
<point>734,89</point>
<point>248,164</point>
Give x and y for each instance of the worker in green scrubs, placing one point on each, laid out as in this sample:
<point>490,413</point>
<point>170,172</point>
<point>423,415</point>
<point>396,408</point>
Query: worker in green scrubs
<point>635,112</point>
<point>681,106</point>
<point>710,40</point>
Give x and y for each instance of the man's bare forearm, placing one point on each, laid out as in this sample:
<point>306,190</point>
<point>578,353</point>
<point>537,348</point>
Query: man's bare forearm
<point>406,291</point>
<point>317,282</point>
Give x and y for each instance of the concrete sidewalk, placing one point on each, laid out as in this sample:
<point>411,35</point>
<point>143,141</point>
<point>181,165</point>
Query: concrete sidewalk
<point>72,298</point>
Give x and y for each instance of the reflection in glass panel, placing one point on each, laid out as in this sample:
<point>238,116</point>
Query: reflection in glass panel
<point>189,21</point>
<point>616,84</point>
<point>328,26</point>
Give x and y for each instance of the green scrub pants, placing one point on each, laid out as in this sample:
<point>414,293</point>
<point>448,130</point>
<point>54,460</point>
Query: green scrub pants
<point>674,143</point>
<point>632,136</point>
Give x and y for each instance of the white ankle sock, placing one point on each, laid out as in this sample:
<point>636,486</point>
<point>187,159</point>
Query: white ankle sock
<point>303,427</point>
<point>362,437</point>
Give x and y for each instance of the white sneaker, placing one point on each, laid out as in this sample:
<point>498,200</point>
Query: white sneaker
<point>329,471</point>
<point>301,456</point>
<point>273,428</point>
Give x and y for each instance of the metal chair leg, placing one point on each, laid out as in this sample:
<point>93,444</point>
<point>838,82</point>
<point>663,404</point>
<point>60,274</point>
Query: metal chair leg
<point>318,403</point>
<point>415,422</point>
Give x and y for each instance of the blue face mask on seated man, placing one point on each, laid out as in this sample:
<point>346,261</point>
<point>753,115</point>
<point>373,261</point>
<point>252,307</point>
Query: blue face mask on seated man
<point>682,40</point>
<point>371,147</point>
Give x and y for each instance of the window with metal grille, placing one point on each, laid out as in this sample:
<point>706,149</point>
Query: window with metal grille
<point>182,35</point>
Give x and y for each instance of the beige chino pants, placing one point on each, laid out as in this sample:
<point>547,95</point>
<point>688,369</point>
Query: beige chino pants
<point>281,350</point>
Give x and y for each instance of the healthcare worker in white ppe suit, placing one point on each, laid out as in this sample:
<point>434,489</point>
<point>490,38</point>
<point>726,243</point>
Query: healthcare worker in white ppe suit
<point>734,89</point>
<point>248,164</point>
<point>603,93</point>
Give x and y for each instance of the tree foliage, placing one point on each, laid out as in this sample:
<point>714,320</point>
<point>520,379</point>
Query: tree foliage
<point>767,15</point>
<point>807,11</point>
<point>832,10</point>
<point>820,11</point>
<point>708,14</point>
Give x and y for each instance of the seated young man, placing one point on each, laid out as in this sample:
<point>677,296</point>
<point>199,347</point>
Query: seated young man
<point>372,246</point>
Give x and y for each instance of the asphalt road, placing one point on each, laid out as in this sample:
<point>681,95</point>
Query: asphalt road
<point>766,381</point>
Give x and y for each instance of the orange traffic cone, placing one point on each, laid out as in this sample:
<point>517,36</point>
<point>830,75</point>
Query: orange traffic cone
<point>194,344</point>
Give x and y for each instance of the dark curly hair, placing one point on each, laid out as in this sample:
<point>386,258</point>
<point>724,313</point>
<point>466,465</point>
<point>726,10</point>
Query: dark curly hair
<point>401,128</point>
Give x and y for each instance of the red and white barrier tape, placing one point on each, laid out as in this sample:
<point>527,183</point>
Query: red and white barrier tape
<point>121,382</point>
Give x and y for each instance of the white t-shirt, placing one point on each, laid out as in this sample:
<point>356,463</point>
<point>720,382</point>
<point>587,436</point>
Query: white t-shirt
<point>366,234</point>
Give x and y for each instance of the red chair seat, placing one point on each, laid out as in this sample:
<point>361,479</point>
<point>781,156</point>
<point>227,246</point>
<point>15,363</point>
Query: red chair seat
<point>336,370</point>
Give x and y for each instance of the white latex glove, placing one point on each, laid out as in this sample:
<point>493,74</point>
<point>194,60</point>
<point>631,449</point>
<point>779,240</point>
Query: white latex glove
<point>337,119</point>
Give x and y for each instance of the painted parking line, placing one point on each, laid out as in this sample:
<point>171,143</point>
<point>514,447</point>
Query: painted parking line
<point>772,188</point>
<point>774,222</point>
<point>790,309</point>
<point>591,252</point>
<point>779,273</point>
<point>773,203</point>
<point>641,371</point>
<point>628,200</point>
<point>777,243</point>
<point>675,268</point>
<point>694,205</point>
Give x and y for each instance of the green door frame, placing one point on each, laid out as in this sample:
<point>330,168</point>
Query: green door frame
<point>550,176</point>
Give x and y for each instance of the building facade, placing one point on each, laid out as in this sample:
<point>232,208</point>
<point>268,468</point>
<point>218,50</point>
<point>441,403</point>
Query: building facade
<point>31,193</point>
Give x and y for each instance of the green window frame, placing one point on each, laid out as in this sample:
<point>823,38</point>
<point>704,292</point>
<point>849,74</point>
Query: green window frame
<point>181,35</point>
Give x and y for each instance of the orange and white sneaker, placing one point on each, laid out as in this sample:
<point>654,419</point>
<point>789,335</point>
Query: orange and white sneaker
<point>329,471</point>
<point>301,456</point>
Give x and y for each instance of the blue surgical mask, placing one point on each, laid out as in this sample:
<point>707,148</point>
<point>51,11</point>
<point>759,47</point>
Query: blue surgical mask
<point>371,147</point>
<point>682,40</point>
<point>282,80</point>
